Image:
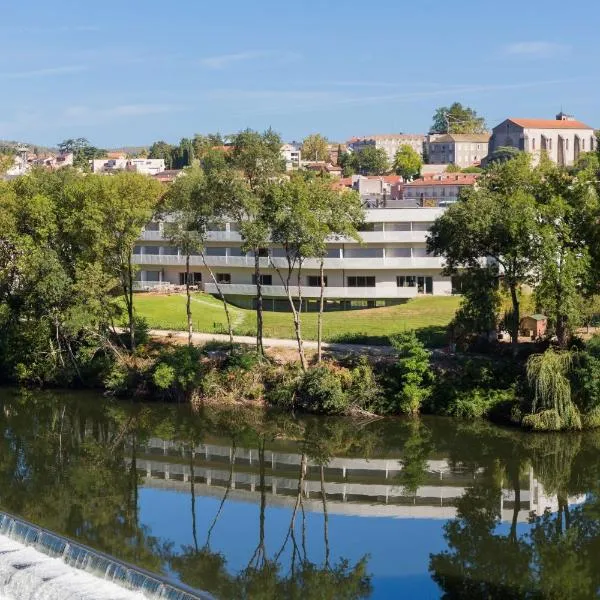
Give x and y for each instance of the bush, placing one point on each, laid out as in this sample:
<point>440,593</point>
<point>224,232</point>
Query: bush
<point>364,389</point>
<point>320,391</point>
<point>545,420</point>
<point>178,372</point>
<point>281,385</point>
<point>478,402</point>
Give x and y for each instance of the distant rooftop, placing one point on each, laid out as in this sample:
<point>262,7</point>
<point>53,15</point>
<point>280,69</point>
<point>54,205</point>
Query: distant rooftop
<point>549,123</point>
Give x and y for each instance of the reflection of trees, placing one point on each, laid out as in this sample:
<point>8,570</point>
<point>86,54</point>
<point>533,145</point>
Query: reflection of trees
<point>557,557</point>
<point>61,468</point>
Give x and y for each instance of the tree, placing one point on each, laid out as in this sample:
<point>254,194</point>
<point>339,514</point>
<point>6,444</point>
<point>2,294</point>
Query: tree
<point>369,161</point>
<point>296,226</point>
<point>181,228</point>
<point>457,119</point>
<point>407,162</point>
<point>496,221</point>
<point>131,200</point>
<point>502,154</point>
<point>203,143</point>
<point>548,376</point>
<point>162,150</point>
<point>342,213</point>
<point>315,147</point>
<point>82,151</point>
<point>413,365</point>
<point>257,157</point>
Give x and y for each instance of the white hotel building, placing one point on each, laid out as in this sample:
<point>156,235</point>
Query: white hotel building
<point>390,266</point>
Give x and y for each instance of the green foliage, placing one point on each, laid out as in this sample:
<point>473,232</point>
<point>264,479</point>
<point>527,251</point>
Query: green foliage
<point>366,161</point>
<point>82,151</point>
<point>178,372</point>
<point>407,162</point>
<point>412,367</point>
<point>457,118</point>
<point>544,420</point>
<point>364,390</point>
<point>452,168</point>
<point>548,376</point>
<point>502,154</point>
<point>320,391</point>
<point>315,147</point>
<point>478,402</point>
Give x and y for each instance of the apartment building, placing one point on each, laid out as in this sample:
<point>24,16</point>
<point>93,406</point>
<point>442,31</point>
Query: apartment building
<point>437,190</point>
<point>390,265</point>
<point>389,142</point>
<point>145,166</point>
<point>292,155</point>
<point>562,139</point>
<point>462,150</point>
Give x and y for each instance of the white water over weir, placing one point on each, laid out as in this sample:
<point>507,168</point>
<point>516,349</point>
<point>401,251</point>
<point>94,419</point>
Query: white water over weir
<point>36,564</point>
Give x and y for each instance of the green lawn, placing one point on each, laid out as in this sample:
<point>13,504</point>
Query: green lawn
<point>428,316</point>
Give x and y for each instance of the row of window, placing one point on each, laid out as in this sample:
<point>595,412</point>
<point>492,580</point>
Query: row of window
<point>423,284</point>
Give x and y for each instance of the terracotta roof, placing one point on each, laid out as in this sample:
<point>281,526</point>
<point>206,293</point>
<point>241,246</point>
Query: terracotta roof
<point>445,179</point>
<point>549,124</point>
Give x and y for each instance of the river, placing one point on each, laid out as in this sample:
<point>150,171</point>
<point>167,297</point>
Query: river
<point>248,504</point>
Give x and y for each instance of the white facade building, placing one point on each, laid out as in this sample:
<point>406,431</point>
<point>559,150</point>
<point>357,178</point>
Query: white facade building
<point>292,155</point>
<point>145,166</point>
<point>390,266</point>
<point>563,139</point>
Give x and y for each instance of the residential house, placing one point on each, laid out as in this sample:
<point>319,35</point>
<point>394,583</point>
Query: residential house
<point>437,190</point>
<point>458,149</point>
<point>562,139</point>
<point>292,154</point>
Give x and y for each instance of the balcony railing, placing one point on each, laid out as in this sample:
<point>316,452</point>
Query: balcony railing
<point>426,262</point>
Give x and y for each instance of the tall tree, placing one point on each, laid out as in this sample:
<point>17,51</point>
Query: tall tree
<point>315,147</point>
<point>407,162</point>
<point>257,157</point>
<point>82,151</point>
<point>131,200</point>
<point>163,150</point>
<point>497,221</point>
<point>457,118</point>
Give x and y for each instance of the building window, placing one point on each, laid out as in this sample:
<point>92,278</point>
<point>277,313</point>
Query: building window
<point>195,278</point>
<point>223,277</point>
<point>549,143</point>
<point>583,144</point>
<point>567,143</point>
<point>400,281</point>
<point>411,281</point>
<point>264,279</point>
<point>533,144</point>
<point>361,281</point>
<point>315,280</point>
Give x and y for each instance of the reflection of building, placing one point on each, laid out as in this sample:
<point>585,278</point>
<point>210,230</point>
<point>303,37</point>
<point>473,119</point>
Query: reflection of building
<point>353,486</point>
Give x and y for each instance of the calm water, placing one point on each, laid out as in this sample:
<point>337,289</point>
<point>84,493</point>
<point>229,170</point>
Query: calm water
<point>248,505</point>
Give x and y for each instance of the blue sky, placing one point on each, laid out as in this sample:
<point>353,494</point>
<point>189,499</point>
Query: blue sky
<point>134,72</point>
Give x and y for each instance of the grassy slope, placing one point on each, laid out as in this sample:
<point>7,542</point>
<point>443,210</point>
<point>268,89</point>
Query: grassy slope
<point>428,316</point>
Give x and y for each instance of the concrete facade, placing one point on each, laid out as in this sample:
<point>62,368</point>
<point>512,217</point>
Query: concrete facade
<point>462,150</point>
<point>390,142</point>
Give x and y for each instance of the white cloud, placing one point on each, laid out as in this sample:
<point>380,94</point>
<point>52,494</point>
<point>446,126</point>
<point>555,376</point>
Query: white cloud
<point>224,60</point>
<point>49,72</point>
<point>536,49</point>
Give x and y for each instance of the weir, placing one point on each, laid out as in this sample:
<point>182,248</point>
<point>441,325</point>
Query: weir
<point>36,564</point>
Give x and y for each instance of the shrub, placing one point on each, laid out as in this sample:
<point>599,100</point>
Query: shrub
<point>591,420</point>
<point>320,391</point>
<point>545,420</point>
<point>412,368</point>
<point>364,389</point>
<point>281,385</point>
<point>178,372</point>
<point>478,402</point>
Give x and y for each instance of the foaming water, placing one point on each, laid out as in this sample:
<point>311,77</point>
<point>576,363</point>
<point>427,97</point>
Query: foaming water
<point>38,565</point>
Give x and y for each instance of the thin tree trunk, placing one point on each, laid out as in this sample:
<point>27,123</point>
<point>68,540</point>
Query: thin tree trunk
<point>320,317</point>
<point>188,296</point>
<point>325,517</point>
<point>514,326</point>
<point>193,498</point>
<point>298,320</point>
<point>561,325</point>
<point>259,305</point>
<point>517,505</point>
<point>129,300</point>
<point>223,300</point>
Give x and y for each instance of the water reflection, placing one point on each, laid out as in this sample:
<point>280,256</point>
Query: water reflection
<point>249,505</point>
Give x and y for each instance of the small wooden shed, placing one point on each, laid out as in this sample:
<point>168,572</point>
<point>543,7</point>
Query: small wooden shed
<point>534,326</point>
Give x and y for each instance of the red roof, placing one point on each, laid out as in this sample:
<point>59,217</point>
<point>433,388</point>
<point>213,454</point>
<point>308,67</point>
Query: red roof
<point>549,124</point>
<point>447,179</point>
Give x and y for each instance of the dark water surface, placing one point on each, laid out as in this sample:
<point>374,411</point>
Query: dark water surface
<point>246,504</point>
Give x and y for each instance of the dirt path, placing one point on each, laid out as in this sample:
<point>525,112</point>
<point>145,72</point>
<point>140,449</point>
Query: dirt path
<point>203,338</point>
